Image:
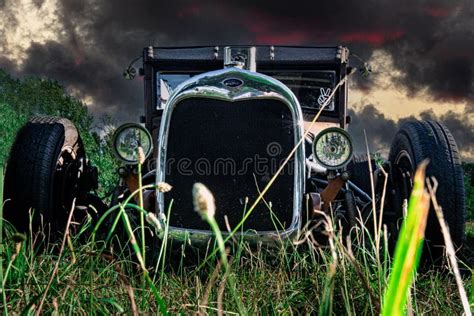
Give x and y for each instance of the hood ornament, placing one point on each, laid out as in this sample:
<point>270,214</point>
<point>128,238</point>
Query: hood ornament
<point>240,57</point>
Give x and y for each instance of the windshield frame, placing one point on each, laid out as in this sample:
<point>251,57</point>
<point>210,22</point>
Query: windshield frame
<point>161,101</point>
<point>331,107</point>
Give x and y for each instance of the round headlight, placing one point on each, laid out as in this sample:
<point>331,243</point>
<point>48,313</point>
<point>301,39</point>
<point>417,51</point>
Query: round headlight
<point>127,139</point>
<point>332,148</point>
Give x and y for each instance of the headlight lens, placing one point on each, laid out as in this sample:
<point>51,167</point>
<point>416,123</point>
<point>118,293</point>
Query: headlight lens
<point>127,139</point>
<point>332,148</point>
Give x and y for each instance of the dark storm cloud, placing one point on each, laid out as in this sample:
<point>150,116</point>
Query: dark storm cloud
<point>94,76</point>
<point>380,129</point>
<point>440,58</point>
<point>431,42</point>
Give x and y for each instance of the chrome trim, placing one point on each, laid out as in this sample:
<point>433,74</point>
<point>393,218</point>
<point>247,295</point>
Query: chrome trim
<point>313,165</point>
<point>256,86</point>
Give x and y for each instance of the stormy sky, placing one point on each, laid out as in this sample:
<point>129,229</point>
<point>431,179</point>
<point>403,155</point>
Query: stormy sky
<point>422,52</point>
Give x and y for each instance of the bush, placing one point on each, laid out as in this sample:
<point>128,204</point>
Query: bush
<point>10,121</point>
<point>468,181</point>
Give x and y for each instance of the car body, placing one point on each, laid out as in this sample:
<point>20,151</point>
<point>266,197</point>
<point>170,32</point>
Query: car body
<point>265,129</point>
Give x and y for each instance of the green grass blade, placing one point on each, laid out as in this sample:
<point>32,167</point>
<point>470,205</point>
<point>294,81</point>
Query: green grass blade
<point>472,290</point>
<point>133,241</point>
<point>4,297</point>
<point>408,248</point>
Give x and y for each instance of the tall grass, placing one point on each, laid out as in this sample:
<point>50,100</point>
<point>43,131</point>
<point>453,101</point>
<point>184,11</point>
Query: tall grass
<point>108,275</point>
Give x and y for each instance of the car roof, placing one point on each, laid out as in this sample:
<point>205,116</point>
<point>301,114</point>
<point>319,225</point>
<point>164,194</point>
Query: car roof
<point>264,54</point>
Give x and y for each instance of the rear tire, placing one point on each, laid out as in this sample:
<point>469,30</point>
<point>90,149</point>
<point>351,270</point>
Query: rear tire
<point>414,142</point>
<point>42,173</point>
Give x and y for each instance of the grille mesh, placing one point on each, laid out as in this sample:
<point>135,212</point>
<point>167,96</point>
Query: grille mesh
<point>231,147</point>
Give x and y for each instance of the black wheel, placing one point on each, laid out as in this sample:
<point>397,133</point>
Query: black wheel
<point>414,142</point>
<point>43,173</point>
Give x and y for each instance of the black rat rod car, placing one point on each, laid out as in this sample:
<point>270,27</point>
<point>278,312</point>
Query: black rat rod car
<point>232,118</point>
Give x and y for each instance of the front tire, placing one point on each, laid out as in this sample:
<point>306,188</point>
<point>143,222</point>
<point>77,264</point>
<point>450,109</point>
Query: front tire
<point>414,142</point>
<point>43,173</point>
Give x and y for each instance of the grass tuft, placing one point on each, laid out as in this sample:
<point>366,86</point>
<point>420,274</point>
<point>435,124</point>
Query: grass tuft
<point>109,275</point>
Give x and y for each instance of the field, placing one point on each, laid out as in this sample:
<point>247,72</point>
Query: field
<point>87,273</point>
